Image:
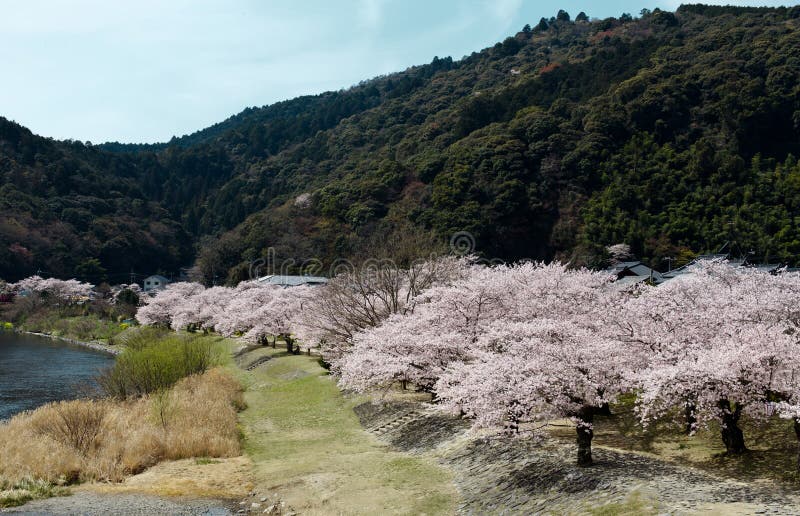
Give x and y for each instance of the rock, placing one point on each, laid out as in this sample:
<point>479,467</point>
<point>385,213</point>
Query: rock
<point>263,499</point>
<point>255,505</point>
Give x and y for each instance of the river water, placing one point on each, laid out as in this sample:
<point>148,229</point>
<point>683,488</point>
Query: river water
<point>36,370</point>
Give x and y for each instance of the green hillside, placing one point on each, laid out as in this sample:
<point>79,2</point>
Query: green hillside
<point>672,132</point>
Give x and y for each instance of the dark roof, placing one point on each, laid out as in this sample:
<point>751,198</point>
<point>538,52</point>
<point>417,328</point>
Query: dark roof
<point>634,270</point>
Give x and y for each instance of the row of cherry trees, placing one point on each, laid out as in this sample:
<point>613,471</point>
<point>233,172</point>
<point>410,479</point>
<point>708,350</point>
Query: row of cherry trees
<point>527,343</point>
<point>65,291</point>
<point>533,342</point>
<point>251,310</point>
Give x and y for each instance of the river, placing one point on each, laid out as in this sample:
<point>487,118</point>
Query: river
<point>36,370</point>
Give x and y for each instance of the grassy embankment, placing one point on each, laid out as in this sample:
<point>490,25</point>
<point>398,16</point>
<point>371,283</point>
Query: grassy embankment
<point>97,321</point>
<point>307,445</point>
<point>169,398</point>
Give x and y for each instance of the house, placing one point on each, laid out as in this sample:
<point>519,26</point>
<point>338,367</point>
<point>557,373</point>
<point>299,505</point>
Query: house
<point>631,273</point>
<point>292,281</point>
<point>155,283</point>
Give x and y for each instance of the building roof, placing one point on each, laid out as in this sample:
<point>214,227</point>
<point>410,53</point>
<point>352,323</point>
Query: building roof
<point>628,281</point>
<point>635,270</point>
<point>158,277</point>
<point>292,281</point>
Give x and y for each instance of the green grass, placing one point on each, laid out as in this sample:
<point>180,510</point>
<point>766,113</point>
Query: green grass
<point>20,493</point>
<point>204,461</point>
<point>307,444</point>
<point>85,328</point>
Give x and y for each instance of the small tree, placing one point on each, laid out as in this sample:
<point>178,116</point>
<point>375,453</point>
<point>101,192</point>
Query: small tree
<point>542,25</point>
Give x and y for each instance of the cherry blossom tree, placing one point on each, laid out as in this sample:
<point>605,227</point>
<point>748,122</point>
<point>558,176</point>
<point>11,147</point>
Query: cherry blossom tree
<point>161,309</point>
<point>201,309</point>
<point>279,315</point>
<point>239,314</point>
<point>503,345</point>
<point>366,297</point>
<point>619,253</point>
<point>68,291</point>
<point>535,372</point>
<point>715,342</point>
<point>417,345</point>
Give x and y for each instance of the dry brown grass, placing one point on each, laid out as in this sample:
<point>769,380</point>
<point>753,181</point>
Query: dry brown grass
<point>105,440</point>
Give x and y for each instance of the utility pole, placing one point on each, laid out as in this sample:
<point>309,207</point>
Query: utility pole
<point>669,260</point>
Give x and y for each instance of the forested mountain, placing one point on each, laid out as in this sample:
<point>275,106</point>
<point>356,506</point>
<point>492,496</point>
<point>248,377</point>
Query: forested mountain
<point>672,132</point>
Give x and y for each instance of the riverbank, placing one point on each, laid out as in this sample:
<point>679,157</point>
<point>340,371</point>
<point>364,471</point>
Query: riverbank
<point>95,345</point>
<point>191,413</point>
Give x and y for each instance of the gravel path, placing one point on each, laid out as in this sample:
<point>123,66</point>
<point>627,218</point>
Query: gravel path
<point>91,504</point>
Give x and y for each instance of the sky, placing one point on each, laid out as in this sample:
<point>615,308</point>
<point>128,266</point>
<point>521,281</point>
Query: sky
<point>142,71</point>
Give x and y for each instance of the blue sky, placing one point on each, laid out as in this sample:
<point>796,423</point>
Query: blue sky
<point>144,70</point>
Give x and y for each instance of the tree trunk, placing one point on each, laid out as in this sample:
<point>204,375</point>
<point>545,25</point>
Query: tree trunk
<point>797,433</point>
<point>289,344</point>
<point>585,435</point>
<point>511,427</point>
<point>604,410</point>
<point>691,421</point>
<point>732,435</point>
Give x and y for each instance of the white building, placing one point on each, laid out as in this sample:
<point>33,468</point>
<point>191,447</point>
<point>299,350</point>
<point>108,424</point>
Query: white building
<point>155,283</point>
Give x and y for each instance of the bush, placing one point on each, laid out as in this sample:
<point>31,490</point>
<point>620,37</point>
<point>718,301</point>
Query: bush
<point>75,424</point>
<point>154,364</point>
<point>141,337</point>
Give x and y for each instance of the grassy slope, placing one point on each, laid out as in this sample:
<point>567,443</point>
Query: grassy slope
<point>308,445</point>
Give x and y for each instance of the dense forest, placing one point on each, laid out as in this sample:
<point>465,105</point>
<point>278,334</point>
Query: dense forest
<point>672,132</point>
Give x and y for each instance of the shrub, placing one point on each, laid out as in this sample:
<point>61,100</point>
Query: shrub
<point>141,337</point>
<point>76,424</point>
<point>157,364</point>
